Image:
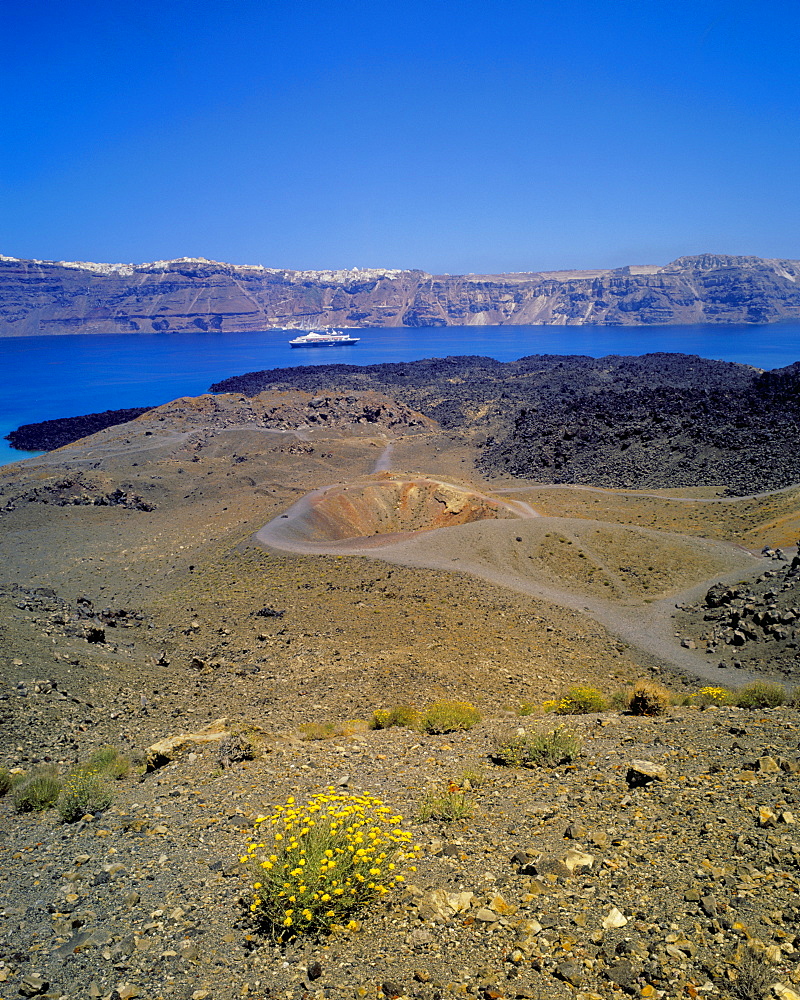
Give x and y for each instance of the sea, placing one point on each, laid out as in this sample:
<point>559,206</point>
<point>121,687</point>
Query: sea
<point>44,378</point>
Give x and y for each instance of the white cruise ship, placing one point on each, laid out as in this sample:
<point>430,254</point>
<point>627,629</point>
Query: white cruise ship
<point>324,338</point>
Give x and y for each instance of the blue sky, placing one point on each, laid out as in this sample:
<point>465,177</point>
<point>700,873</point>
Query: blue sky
<point>454,137</point>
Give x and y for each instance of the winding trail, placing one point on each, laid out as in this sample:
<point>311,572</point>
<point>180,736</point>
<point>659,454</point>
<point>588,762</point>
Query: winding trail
<point>477,549</point>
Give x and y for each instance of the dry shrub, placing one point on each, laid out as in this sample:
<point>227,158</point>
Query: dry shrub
<point>552,749</point>
<point>331,730</point>
<point>648,698</point>
<point>447,806</point>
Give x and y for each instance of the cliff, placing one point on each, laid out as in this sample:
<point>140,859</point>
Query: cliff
<point>46,297</point>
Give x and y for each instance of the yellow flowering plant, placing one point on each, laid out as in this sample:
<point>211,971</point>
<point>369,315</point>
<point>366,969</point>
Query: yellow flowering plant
<point>312,866</point>
<point>710,696</point>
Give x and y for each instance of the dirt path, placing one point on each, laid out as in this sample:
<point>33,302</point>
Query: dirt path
<point>478,549</point>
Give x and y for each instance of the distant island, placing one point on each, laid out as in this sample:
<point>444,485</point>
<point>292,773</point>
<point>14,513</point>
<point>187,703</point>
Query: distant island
<point>193,294</point>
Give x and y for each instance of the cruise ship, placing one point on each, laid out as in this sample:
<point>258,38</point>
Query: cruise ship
<point>324,338</point>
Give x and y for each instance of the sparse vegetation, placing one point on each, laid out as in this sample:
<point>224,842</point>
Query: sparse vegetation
<point>577,701</point>
<point>760,694</point>
<point>110,763</point>
<point>38,790</point>
<point>313,866</point>
<point>527,708</point>
<point>400,715</point>
<point>648,698</point>
<point>753,976</point>
<point>440,717</point>
<point>6,781</point>
<point>551,749</point>
<point>452,804</point>
<point>330,730</point>
<point>449,717</point>
<point>84,791</point>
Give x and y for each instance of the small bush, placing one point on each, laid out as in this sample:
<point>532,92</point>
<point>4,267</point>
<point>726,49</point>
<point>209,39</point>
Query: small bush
<point>794,698</point>
<point>449,717</point>
<point>580,701</point>
<point>648,698</point>
<point>453,804</point>
<point>760,694</point>
<point>109,762</point>
<point>708,696</point>
<point>330,730</point>
<point>37,791</point>
<point>318,730</point>
<point>400,715</point>
<point>6,781</point>
<point>527,708</point>
<point>551,749</point>
<point>472,777</point>
<point>753,976</point>
<point>313,866</point>
<point>84,792</point>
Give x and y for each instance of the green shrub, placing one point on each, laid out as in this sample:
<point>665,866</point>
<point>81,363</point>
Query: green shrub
<point>37,791</point>
<point>6,781</point>
<point>400,715</point>
<point>453,804</point>
<point>84,792</point>
<point>760,694</point>
<point>313,866</point>
<point>449,717</point>
<point>109,762</point>
<point>648,698</point>
<point>581,701</point>
<point>472,777</point>
<point>527,708</point>
<point>551,749</point>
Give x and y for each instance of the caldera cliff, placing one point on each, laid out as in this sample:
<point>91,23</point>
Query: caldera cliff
<point>191,294</point>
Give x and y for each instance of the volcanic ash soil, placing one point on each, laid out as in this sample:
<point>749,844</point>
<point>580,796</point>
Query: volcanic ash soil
<point>137,603</point>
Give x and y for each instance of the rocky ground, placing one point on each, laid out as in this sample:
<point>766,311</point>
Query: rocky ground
<point>573,882</point>
<point>752,626</point>
<point>136,604</point>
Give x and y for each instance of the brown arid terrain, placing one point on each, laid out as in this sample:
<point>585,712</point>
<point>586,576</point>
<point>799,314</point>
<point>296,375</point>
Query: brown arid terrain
<point>267,571</point>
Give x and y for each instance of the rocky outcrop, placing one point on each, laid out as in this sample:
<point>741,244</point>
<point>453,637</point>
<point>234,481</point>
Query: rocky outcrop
<point>756,625</point>
<point>660,420</point>
<point>47,297</point>
<point>49,434</point>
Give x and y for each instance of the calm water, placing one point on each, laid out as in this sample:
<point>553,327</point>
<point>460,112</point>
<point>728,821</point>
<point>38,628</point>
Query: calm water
<point>46,377</point>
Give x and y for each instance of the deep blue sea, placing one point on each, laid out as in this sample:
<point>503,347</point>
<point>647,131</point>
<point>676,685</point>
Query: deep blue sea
<point>42,378</point>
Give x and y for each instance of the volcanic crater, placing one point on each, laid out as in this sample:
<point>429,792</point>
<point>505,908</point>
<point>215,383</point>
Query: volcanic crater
<point>380,511</point>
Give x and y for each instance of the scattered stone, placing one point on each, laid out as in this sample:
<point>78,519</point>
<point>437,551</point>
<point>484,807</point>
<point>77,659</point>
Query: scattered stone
<point>614,918</point>
<point>642,772</point>
<point>32,985</point>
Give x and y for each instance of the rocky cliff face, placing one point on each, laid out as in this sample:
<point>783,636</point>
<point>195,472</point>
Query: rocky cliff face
<point>45,297</point>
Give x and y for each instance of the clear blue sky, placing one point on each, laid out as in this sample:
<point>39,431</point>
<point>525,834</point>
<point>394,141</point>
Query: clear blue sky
<point>450,136</point>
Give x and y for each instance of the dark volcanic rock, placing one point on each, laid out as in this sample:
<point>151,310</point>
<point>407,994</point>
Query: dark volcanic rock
<point>49,434</point>
<point>660,420</point>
